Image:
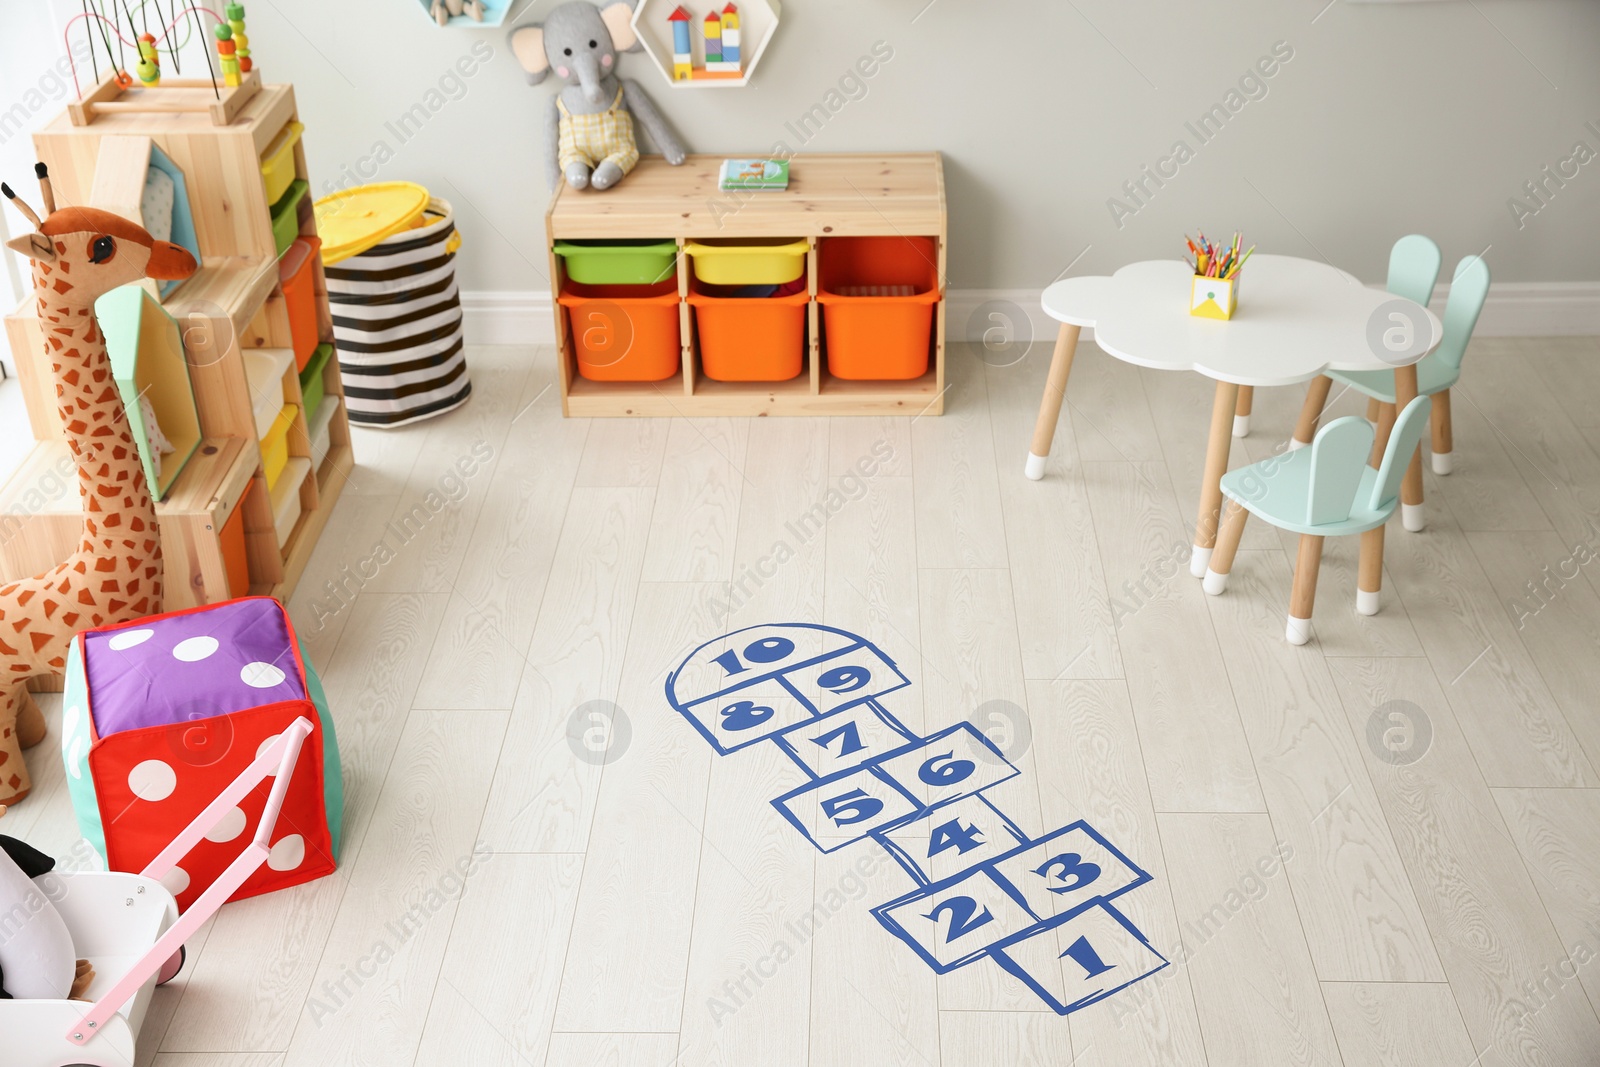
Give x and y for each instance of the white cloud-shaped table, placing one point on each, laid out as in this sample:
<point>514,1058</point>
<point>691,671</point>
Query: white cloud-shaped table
<point>1296,319</point>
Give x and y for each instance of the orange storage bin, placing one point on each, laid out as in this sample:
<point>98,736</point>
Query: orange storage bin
<point>749,339</point>
<point>877,296</point>
<point>624,333</point>
<point>298,280</point>
<point>234,555</point>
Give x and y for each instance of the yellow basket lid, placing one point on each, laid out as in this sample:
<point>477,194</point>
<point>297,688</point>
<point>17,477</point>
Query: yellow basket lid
<point>354,220</point>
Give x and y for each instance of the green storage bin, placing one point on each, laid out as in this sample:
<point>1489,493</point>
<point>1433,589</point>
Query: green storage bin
<point>311,384</point>
<point>619,262</point>
<point>286,216</point>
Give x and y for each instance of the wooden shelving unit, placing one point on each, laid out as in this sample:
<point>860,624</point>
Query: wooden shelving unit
<point>233,303</point>
<point>828,196</point>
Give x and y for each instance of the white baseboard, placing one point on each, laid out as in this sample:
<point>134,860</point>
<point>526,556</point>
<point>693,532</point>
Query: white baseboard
<point>509,317</point>
<point>1514,309</point>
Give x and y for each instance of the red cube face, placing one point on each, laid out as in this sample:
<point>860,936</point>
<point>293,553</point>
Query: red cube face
<point>154,781</point>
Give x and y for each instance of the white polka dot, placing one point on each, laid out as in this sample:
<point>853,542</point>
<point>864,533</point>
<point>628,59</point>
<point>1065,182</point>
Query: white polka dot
<point>263,747</point>
<point>70,717</point>
<point>261,675</point>
<point>195,649</point>
<point>231,826</point>
<point>152,780</point>
<point>287,854</point>
<point>129,638</point>
<point>75,758</point>
<point>176,881</point>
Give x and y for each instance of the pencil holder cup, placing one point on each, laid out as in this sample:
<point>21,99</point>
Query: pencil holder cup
<point>1214,298</point>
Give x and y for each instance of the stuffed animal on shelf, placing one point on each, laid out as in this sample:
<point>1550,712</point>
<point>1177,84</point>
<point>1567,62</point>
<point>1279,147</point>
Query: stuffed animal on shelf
<point>37,960</point>
<point>79,254</point>
<point>590,137</point>
<point>445,10</point>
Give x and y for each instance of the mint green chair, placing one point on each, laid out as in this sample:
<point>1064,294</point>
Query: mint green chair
<point>1413,269</point>
<point>1327,490</point>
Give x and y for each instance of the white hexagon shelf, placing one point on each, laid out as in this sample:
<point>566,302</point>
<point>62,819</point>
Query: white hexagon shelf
<point>663,37</point>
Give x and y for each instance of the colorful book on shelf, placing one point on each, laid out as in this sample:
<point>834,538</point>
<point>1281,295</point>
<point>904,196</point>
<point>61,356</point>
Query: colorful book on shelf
<point>754,174</point>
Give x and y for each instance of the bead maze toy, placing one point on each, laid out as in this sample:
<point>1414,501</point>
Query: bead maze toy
<point>229,86</point>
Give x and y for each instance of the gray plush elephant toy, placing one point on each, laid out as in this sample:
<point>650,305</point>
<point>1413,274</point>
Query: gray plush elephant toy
<point>590,137</point>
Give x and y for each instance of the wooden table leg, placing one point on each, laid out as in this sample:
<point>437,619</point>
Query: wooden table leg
<point>1217,445</point>
<point>1305,428</point>
<point>1055,390</point>
<point>1405,391</point>
<point>1241,413</point>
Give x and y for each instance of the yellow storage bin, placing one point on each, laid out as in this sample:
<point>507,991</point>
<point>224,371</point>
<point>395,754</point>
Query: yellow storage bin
<point>277,163</point>
<point>275,446</point>
<point>751,261</point>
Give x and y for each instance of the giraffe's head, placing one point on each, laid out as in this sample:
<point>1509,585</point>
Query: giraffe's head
<point>82,253</point>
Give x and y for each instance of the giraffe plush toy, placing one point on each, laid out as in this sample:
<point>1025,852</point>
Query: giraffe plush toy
<point>78,255</point>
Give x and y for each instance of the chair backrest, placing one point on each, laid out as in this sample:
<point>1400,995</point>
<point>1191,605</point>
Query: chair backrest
<point>1468,289</point>
<point>1413,268</point>
<point>1338,453</point>
<point>1397,456</point>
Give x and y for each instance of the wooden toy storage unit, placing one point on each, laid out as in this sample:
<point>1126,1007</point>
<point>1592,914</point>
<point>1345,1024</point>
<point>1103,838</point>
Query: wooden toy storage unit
<point>231,304</point>
<point>890,195</point>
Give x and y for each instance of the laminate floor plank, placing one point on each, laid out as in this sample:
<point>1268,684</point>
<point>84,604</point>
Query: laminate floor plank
<point>1195,753</point>
<point>1356,903</point>
<point>1482,907</point>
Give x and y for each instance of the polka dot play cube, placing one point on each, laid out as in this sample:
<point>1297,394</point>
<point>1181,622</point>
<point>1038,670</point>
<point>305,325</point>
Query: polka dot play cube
<point>161,714</point>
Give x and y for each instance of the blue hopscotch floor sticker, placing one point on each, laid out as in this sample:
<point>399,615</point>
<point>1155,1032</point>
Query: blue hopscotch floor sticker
<point>981,888</point>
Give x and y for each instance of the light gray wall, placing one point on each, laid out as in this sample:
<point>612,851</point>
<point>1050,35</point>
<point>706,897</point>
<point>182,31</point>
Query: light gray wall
<point>1388,118</point>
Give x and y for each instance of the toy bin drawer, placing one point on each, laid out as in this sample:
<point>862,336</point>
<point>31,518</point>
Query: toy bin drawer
<point>298,280</point>
<point>312,386</point>
<point>264,369</point>
<point>286,498</point>
<point>322,429</point>
<point>275,446</point>
<point>624,333</point>
<point>877,296</point>
<point>753,261</point>
<point>286,215</point>
<point>617,262</point>
<point>749,338</point>
<point>235,557</point>
<point>277,162</point>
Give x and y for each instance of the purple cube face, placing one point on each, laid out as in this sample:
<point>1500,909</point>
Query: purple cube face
<point>189,667</point>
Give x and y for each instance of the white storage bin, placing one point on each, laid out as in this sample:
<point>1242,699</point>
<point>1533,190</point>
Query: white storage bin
<point>322,429</point>
<point>286,497</point>
<point>264,369</point>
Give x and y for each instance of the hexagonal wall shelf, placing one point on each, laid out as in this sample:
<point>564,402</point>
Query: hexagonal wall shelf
<point>758,21</point>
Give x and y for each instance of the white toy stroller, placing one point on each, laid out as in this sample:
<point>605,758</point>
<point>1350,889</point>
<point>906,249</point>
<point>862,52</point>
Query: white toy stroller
<point>127,926</point>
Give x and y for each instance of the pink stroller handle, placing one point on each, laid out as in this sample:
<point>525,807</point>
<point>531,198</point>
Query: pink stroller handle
<point>284,753</point>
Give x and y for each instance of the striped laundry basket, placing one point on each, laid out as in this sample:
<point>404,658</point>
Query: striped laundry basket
<point>397,324</point>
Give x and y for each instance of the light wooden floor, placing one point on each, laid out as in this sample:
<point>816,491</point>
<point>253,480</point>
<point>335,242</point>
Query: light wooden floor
<point>1444,911</point>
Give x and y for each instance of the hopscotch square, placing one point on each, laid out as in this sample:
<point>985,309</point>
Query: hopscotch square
<point>846,678</point>
<point>754,654</point>
<point>955,762</point>
<point>956,922</point>
<point>1089,957</point>
<point>1067,870</point>
<point>853,803</point>
<point>754,712</point>
<point>844,739</point>
<point>950,840</point>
